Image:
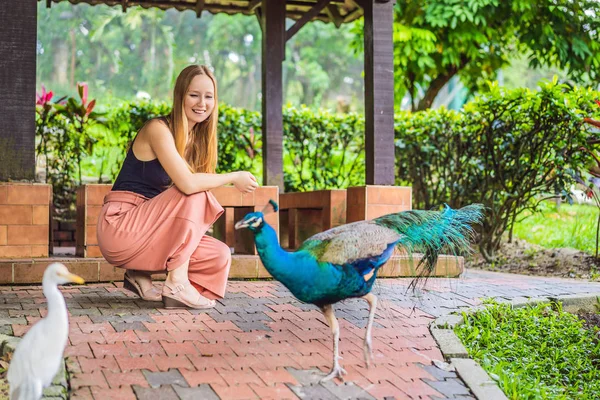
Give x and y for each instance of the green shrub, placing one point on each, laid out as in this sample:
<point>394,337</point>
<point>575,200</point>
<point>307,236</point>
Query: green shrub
<point>63,137</point>
<point>240,140</point>
<point>123,121</point>
<point>506,150</point>
<point>534,352</point>
<point>322,150</point>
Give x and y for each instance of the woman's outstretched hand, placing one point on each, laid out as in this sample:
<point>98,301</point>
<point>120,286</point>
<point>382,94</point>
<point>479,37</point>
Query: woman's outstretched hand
<point>245,182</point>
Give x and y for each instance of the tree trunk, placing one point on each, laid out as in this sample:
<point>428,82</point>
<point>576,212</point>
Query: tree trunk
<point>438,83</point>
<point>73,51</point>
<point>60,62</point>
<point>434,88</point>
<point>488,254</point>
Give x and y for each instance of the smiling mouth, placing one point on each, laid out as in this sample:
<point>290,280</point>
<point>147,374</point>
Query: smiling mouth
<point>199,112</point>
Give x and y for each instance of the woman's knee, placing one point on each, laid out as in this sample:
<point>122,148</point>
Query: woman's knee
<point>224,254</point>
<point>179,195</point>
<point>194,197</point>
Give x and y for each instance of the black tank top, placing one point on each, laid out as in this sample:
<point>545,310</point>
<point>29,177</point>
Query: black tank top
<point>147,178</point>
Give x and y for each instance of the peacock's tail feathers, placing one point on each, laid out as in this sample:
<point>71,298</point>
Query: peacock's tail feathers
<point>434,232</point>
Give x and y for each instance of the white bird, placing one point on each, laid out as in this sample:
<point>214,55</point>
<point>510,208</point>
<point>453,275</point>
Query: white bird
<point>38,356</point>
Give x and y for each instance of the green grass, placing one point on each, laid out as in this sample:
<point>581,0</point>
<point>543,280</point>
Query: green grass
<point>569,226</point>
<point>534,352</point>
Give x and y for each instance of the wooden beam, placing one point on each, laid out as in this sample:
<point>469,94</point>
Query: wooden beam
<point>258,13</point>
<point>184,5</point>
<point>199,8</point>
<point>18,27</point>
<point>273,52</point>
<point>309,15</point>
<point>253,5</point>
<point>379,93</point>
<point>334,14</point>
<point>48,3</point>
<point>124,5</point>
<point>351,16</point>
<point>295,3</point>
<point>309,4</point>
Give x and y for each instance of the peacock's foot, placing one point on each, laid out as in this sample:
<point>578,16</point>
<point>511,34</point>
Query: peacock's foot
<point>368,352</point>
<point>336,372</point>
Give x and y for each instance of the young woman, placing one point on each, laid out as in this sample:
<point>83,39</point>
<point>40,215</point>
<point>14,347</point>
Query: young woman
<point>156,216</point>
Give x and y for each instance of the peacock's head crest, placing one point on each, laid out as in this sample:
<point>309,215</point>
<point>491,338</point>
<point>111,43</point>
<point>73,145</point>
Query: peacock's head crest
<point>255,221</point>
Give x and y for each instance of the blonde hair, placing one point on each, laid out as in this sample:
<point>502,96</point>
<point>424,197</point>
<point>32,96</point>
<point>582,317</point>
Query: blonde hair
<point>201,153</point>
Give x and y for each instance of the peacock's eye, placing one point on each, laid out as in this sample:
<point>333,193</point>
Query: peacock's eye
<point>255,222</point>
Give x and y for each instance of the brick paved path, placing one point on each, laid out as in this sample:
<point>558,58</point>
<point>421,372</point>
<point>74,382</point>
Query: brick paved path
<point>260,342</point>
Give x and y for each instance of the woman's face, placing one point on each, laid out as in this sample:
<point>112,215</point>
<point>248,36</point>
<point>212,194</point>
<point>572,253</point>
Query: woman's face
<point>199,100</point>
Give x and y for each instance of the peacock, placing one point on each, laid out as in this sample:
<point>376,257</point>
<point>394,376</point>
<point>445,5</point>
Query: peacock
<point>342,262</point>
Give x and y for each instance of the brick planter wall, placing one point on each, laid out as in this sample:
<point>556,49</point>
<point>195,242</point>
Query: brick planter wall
<point>89,203</point>
<point>24,219</point>
<point>372,201</point>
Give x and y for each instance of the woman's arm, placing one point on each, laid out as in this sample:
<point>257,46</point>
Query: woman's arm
<point>163,145</point>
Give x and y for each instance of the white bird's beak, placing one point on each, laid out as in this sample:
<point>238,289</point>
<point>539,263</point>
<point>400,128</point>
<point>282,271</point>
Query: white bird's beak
<point>75,278</point>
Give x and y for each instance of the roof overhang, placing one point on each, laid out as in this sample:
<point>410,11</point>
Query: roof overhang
<point>336,11</point>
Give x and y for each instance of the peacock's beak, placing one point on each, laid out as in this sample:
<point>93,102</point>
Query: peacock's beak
<point>241,224</point>
<point>75,279</point>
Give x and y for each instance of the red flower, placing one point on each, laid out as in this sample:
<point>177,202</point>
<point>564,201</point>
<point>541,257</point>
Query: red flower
<point>43,97</point>
<point>82,88</point>
<point>597,102</point>
<point>90,107</point>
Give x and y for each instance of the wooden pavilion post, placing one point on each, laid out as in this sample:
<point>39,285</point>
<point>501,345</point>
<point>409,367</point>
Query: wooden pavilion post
<point>272,20</point>
<point>379,91</point>
<point>18,32</point>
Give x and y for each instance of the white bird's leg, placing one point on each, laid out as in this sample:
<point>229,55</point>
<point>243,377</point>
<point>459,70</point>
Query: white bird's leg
<point>367,347</point>
<point>336,370</point>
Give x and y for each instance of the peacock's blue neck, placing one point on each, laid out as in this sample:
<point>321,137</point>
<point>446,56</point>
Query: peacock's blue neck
<point>276,260</point>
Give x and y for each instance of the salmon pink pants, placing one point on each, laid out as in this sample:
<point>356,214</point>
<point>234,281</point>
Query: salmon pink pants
<point>162,233</point>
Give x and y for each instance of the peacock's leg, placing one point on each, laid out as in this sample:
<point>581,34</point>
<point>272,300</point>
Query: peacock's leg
<point>336,371</point>
<point>367,348</point>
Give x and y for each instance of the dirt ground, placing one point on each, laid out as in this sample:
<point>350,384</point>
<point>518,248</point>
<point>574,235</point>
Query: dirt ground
<point>592,320</point>
<point>521,257</point>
